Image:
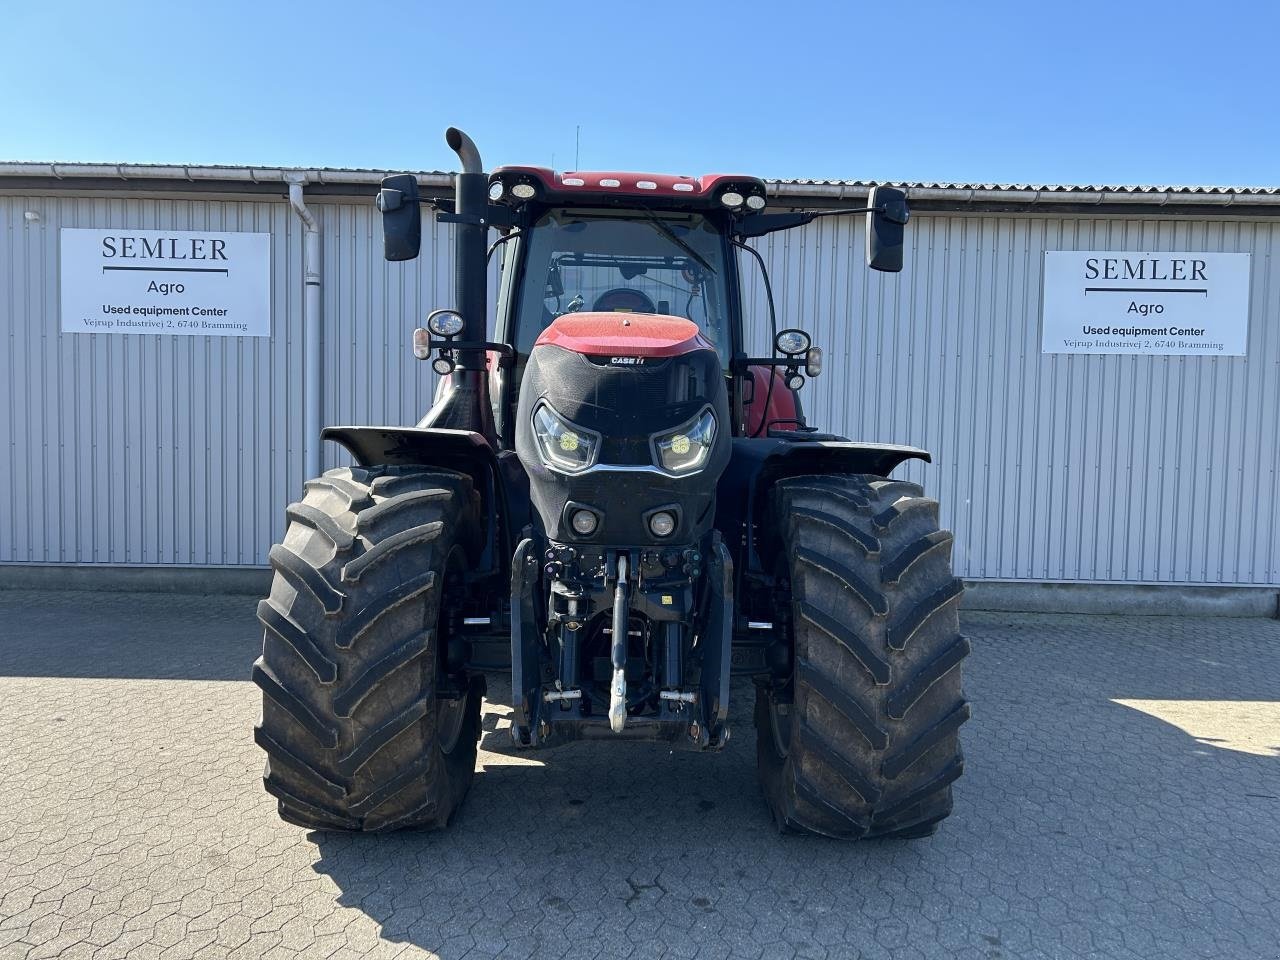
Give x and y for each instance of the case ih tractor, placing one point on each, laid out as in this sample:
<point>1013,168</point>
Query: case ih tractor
<point>621,507</point>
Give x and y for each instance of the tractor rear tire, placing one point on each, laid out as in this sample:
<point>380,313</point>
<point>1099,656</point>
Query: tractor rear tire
<point>360,733</point>
<point>863,741</point>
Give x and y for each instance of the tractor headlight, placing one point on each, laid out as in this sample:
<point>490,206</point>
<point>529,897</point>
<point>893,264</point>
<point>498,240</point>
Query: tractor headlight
<point>688,447</point>
<point>564,446</point>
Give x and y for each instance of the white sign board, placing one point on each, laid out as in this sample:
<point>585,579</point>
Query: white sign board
<point>164,281</point>
<point>1145,303</point>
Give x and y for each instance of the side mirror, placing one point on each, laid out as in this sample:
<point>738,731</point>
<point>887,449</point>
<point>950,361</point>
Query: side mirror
<point>885,225</point>
<point>401,217</point>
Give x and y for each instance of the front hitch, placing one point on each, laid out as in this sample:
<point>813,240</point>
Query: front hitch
<point>618,687</point>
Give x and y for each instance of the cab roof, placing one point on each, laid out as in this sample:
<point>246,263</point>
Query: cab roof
<point>613,187</point>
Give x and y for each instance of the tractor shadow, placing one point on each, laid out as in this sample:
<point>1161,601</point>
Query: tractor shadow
<point>1136,831</point>
<point>130,636</point>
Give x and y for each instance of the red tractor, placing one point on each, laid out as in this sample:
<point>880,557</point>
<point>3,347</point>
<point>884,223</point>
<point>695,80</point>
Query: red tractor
<point>618,505</point>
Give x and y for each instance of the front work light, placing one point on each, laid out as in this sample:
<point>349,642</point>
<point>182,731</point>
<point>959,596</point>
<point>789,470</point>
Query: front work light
<point>524,191</point>
<point>445,323</point>
<point>563,446</point>
<point>792,342</point>
<point>731,198</point>
<point>756,202</point>
<point>688,447</point>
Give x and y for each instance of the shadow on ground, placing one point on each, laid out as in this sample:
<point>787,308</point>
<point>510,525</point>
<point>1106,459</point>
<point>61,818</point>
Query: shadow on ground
<point>1081,825</point>
<point>129,636</point>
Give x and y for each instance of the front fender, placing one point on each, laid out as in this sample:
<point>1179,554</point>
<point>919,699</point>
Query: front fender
<point>756,464</point>
<point>459,450</point>
<point>498,477</point>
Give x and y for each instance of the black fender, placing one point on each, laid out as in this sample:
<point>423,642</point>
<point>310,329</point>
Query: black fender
<point>461,450</point>
<point>756,464</point>
<point>498,475</point>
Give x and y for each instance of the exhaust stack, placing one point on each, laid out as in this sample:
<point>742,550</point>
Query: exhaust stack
<point>464,404</point>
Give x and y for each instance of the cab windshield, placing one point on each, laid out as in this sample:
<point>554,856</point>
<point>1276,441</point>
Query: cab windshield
<point>632,262</point>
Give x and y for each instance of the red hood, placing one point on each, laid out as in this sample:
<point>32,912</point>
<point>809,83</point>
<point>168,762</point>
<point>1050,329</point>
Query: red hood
<point>624,334</point>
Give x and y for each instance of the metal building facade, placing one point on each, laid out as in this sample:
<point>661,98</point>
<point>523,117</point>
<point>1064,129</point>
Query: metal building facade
<point>183,451</point>
<point>1050,467</point>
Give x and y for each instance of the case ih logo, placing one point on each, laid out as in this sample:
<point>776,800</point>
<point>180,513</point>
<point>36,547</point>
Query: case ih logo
<point>626,361</point>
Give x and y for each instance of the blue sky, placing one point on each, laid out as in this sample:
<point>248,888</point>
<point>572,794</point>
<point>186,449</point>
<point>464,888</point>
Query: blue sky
<point>1142,92</point>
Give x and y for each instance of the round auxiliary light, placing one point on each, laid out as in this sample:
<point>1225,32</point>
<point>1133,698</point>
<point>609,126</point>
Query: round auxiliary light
<point>795,382</point>
<point>662,524</point>
<point>495,190</point>
<point>731,198</point>
<point>445,323</point>
<point>584,522</point>
<point>792,342</point>
<point>524,191</point>
<point>442,366</point>
<point>755,202</point>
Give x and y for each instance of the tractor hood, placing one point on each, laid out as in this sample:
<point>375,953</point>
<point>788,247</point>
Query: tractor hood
<point>615,387</point>
<point>624,334</point>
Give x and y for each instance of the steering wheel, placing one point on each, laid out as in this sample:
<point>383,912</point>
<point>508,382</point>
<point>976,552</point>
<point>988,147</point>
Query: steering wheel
<point>623,299</point>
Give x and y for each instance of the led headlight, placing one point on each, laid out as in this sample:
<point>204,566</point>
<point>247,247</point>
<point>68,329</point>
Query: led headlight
<point>792,342</point>
<point>731,199</point>
<point>564,446</point>
<point>688,447</point>
<point>496,190</point>
<point>445,323</point>
<point>525,191</point>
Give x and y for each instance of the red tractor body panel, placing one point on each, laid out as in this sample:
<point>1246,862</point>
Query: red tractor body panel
<point>624,335</point>
<point>767,409</point>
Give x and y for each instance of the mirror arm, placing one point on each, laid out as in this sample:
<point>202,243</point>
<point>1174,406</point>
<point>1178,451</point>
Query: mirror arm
<point>495,216</point>
<point>759,224</point>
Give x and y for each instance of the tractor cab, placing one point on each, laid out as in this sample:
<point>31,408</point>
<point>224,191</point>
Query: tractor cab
<point>616,242</point>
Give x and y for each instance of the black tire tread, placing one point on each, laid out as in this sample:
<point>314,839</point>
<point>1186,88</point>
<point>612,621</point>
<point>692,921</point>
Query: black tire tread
<point>348,671</point>
<point>871,748</point>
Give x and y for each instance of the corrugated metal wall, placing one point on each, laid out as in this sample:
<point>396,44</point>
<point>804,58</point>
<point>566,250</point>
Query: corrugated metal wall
<point>184,450</point>
<point>1049,467</point>
<point>136,449</point>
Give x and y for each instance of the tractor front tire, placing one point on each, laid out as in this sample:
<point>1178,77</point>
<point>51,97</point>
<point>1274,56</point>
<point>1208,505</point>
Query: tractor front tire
<point>359,730</point>
<point>863,739</point>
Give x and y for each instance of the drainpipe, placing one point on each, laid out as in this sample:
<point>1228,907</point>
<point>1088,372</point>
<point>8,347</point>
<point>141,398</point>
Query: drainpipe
<point>311,397</point>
